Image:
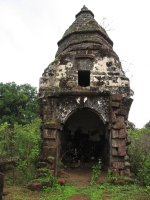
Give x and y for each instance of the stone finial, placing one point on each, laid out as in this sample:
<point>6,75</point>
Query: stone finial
<point>84,8</point>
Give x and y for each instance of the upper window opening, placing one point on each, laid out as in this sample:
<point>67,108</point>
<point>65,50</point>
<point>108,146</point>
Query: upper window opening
<point>84,78</point>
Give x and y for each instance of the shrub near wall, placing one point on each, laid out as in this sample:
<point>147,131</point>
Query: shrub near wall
<point>23,143</point>
<point>139,151</point>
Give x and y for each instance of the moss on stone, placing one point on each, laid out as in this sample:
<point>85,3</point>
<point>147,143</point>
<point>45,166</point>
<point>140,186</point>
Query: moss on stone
<point>51,122</point>
<point>43,169</point>
<point>51,157</point>
<point>49,147</point>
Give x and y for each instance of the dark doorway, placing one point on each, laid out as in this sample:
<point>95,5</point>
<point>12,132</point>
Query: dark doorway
<point>83,139</point>
<point>84,78</point>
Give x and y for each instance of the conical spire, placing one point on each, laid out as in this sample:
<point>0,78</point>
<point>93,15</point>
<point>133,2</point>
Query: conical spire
<point>84,24</point>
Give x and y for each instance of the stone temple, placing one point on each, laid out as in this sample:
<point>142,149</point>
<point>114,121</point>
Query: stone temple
<point>84,99</point>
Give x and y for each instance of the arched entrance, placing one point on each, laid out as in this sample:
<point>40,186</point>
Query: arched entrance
<point>83,139</point>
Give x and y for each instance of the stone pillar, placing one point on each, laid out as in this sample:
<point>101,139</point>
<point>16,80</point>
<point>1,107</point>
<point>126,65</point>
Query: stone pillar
<point>49,148</point>
<point>119,113</point>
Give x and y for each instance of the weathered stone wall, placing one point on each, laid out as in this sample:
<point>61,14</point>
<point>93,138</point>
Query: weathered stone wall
<point>106,74</point>
<point>55,111</point>
<point>66,105</point>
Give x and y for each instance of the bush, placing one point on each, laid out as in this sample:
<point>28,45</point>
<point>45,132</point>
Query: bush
<point>139,151</point>
<point>22,143</point>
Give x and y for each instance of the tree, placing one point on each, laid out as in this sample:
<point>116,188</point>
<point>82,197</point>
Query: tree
<point>147,125</point>
<point>131,125</point>
<point>18,103</point>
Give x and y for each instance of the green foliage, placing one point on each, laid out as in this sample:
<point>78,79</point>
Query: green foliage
<point>27,143</point>
<point>19,128</point>
<point>147,125</point>
<point>127,192</point>
<point>96,170</point>
<point>27,139</point>
<point>109,173</point>
<point>4,138</point>
<point>144,171</point>
<point>64,192</point>
<point>22,144</point>
<point>18,103</point>
<point>140,154</point>
<point>96,192</point>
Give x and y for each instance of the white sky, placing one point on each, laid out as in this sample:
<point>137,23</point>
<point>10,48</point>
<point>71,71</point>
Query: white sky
<point>30,30</point>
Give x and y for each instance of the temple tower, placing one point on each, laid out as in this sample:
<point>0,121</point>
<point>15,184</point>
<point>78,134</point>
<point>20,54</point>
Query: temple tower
<point>84,99</point>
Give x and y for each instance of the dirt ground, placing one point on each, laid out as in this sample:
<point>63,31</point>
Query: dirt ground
<point>77,176</point>
<point>81,176</point>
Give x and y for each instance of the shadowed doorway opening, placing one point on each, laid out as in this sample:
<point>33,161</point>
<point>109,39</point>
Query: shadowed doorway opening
<point>83,140</point>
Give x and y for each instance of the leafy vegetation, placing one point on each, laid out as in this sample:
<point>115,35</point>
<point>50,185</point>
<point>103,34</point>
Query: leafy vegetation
<point>20,136</point>
<point>22,145</point>
<point>18,103</point>
<point>139,151</point>
<point>95,172</point>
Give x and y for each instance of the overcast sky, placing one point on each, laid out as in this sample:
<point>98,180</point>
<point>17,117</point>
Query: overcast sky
<point>30,30</point>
